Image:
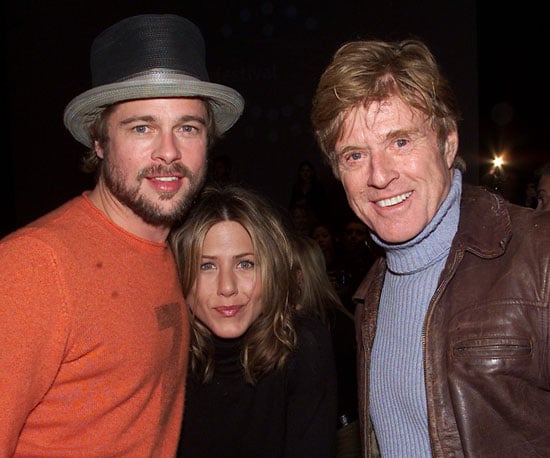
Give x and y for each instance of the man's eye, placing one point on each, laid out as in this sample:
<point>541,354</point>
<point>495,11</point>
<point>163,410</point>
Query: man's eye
<point>140,129</point>
<point>401,143</point>
<point>188,128</point>
<point>351,156</point>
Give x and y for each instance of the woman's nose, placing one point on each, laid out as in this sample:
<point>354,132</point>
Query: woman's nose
<point>227,284</point>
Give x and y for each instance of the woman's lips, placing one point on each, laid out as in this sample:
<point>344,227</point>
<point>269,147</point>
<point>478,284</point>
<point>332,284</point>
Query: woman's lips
<point>229,310</point>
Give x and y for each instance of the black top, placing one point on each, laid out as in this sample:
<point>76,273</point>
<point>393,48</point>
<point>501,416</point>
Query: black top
<point>288,413</point>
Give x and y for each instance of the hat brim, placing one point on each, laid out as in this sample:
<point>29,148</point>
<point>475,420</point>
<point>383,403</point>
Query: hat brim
<point>227,104</point>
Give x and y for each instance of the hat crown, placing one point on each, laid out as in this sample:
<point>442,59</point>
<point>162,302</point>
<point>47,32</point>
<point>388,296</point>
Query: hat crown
<point>145,42</point>
<point>149,56</point>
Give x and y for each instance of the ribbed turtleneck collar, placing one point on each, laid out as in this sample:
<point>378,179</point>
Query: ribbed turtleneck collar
<point>433,242</point>
<point>228,356</point>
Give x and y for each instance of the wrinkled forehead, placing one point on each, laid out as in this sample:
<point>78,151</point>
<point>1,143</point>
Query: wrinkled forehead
<point>380,117</point>
<point>373,112</point>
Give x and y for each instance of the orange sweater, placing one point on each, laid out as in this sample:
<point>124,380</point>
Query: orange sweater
<point>93,340</point>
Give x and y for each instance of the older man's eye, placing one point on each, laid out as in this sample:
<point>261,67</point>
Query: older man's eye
<point>401,143</point>
<point>352,156</point>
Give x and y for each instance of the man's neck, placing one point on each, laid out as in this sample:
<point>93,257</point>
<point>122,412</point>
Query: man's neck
<point>124,217</point>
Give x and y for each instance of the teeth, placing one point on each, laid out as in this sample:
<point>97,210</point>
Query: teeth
<point>393,200</point>
<point>166,178</point>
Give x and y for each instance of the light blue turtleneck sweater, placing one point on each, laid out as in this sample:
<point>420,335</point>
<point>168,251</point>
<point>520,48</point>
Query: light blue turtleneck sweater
<point>398,397</point>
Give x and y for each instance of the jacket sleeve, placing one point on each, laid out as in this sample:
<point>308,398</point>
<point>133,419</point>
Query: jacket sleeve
<point>33,319</point>
<point>312,399</point>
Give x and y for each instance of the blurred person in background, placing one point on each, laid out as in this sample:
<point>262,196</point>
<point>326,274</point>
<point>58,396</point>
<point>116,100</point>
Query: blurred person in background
<point>326,235</point>
<point>220,169</point>
<point>358,253</point>
<point>302,218</point>
<point>318,296</point>
<point>543,188</point>
<point>309,191</point>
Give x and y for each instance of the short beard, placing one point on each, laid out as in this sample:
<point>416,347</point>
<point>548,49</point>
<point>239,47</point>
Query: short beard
<point>149,211</point>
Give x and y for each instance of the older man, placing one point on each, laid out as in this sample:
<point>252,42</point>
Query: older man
<point>452,324</point>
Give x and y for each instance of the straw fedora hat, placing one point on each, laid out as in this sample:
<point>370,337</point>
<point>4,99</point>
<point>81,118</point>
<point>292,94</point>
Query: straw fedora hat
<point>149,56</point>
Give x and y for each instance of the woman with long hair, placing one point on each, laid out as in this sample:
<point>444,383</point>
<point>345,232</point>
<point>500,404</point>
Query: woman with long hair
<point>262,377</point>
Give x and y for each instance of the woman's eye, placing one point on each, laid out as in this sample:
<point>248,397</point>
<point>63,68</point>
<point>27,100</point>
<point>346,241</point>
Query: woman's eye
<point>246,264</point>
<point>207,266</point>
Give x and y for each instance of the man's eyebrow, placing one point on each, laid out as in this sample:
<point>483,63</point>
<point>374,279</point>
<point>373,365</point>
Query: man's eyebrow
<point>199,119</point>
<point>404,132</point>
<point>132,119</point>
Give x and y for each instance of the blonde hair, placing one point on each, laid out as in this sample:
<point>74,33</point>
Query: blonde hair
<point>271,337</point>
<point>363,72</point>
<point>317,295</point>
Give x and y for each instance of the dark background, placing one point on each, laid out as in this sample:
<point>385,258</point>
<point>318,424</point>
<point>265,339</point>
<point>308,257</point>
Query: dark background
<point>273,53</point>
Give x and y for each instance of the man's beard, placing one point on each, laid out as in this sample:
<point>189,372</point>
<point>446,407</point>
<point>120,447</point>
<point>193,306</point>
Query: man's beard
<point>147,210</point>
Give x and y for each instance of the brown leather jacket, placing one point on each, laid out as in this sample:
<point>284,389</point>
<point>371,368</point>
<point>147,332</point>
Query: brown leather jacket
<point>486,336</point>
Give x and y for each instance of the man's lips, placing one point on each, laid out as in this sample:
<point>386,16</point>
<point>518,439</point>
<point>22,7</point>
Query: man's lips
<point>168,183</point>
<point>393,200</point>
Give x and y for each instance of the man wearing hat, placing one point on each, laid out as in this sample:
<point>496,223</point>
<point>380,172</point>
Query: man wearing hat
<point>94,325</point>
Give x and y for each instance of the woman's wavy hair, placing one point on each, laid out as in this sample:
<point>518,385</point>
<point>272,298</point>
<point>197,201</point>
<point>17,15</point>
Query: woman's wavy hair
<point>99,131</point>
<point>363,72</point>
<point>271,337</point>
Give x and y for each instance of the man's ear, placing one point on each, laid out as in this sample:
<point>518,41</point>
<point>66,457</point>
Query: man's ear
<point>98,150</point>
<point>451,148</point>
